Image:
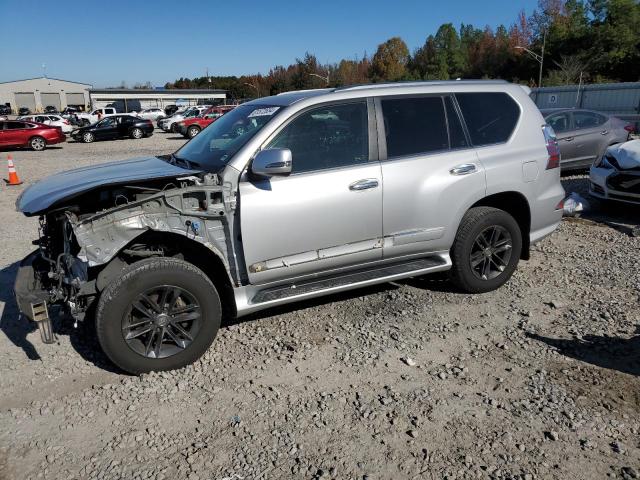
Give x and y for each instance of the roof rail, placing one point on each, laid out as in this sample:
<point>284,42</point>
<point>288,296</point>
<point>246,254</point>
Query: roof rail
<point>411,83</point>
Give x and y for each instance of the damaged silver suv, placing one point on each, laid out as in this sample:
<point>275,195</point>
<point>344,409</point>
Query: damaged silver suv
<point>291,197</point>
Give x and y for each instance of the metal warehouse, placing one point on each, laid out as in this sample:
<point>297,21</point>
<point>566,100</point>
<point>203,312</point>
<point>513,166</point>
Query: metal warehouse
<point>38,93</point>
<point>128,100</point>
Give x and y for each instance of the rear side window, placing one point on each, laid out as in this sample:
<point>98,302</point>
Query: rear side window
<point>491,117</point>
<point>414,125</point>
<point>16,125</point>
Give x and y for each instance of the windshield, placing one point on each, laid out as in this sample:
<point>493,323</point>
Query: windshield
<point>215,145</point>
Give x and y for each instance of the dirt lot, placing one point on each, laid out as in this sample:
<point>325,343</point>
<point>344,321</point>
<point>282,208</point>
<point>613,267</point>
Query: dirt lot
<point>539,380</point>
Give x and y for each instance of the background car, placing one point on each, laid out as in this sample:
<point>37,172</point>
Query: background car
<point>151,113</point>
<point>53,120</point>
<point>17,133</point>
<point>87,118</point>
<point>162,121</point>
<point>584,135</point>
<point>24,111</point>
<point>190,127</point>
<point>115,126</point>
<point>170,110</point>
<point>171,125</point>
<point>616,175</point>
<point>50,109</point>
<point>5,110</point>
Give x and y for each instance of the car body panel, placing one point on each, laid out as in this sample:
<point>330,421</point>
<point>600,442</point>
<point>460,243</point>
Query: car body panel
<point>334,226</point>
<point>47,192</point>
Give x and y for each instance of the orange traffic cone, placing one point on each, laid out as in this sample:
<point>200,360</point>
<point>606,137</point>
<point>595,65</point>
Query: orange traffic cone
<point>13,175</point>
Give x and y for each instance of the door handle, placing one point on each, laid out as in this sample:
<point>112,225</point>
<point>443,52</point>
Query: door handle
<point>464,169</point>
<point>364,184</point>
<point>568,139</point>
<point>604,132</point>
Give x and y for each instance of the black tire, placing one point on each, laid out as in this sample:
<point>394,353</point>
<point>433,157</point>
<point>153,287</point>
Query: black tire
<point>88,137</point>
<point>477,221</point>
<point>116,305</point>
<point>193,131</point>
<point>37,143</point>
<point>137,133</point>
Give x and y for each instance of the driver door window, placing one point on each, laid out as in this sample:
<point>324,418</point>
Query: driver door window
<point>326,138</point>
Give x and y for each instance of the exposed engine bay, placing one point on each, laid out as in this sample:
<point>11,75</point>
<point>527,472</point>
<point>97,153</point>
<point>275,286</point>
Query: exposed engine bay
<point>87,240</point>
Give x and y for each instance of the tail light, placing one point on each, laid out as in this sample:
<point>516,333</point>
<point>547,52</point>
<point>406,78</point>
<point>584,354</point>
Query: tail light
<point>630,128</point>
<point>66,122</point>
<point>552,147</point>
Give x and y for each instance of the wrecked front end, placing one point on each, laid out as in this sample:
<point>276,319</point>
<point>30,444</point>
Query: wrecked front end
<point>616,175</point>
<point>86,242</point>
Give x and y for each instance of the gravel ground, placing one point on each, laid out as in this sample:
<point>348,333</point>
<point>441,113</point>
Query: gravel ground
<point>538,380</point>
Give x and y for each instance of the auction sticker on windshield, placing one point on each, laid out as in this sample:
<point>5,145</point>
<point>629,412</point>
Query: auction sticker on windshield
<point>264,112</point>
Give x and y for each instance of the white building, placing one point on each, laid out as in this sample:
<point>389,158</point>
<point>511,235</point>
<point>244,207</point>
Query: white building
<point>38,93</point>
<point>129,100</point>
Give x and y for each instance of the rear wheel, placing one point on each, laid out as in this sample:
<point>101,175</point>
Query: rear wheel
<point>38,144</point>
<point>486,250</point>
<point>88,137</point>
<point>193,131</point>
<point>137,133</point>
<point>161,314</point>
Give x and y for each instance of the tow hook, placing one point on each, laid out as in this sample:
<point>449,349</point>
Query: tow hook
<point>40,315</point>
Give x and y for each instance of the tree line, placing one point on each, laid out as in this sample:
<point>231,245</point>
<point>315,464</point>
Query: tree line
<point>592,41</point>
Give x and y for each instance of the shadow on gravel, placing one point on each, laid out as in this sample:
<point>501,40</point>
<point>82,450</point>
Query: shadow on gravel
<point>613,353</point>
<point>83,339</point>
<point>12,324</point>
<point>177,138</point>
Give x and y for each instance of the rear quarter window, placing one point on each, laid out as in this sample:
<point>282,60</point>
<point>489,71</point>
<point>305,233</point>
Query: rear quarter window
<point>491,117</point>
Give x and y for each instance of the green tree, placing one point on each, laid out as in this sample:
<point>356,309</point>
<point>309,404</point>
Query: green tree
<point>390,60</point>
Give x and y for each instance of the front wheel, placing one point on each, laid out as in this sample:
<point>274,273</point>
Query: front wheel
<point>88,137</point>
<point>486,250</point>
<point>137,133</point>
<point>161,314</point>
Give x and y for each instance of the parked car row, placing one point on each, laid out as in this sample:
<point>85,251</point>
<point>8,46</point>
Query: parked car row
<point>114,126</point>
<point>47,119</point>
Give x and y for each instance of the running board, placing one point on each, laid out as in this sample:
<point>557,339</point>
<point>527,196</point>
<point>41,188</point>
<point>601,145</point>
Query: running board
<point>347,281</point>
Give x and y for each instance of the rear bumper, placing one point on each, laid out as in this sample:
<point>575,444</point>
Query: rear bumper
<point>28,289</point>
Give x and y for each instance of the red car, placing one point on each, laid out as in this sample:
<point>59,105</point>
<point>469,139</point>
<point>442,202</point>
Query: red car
<point>18,133</point>
<point>190,127</point>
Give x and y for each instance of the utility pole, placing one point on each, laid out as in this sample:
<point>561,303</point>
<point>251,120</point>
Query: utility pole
<point>538,57</point>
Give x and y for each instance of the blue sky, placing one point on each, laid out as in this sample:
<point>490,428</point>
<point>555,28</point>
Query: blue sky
<point>106,42</point>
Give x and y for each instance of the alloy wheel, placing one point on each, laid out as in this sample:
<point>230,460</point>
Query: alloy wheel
<point>491,252</point>
<point>162,321</point>
<point>38,144</point>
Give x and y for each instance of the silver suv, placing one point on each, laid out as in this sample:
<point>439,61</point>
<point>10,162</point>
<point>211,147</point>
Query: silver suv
<point>291,197</point>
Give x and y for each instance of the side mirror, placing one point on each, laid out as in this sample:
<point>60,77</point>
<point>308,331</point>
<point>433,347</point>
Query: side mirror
<point>276,161</point>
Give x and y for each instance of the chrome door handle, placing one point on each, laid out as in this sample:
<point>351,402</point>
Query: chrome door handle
<point>604,132</point>
<point>464,169</point>
<point>364,184</point>
<point>568,139</point>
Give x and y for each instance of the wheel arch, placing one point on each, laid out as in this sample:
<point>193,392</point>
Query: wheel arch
<point>173,245</point>
<point>516,205</point>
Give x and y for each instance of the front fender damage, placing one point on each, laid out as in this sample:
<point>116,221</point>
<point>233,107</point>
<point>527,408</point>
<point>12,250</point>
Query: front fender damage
<point>197,213</point>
